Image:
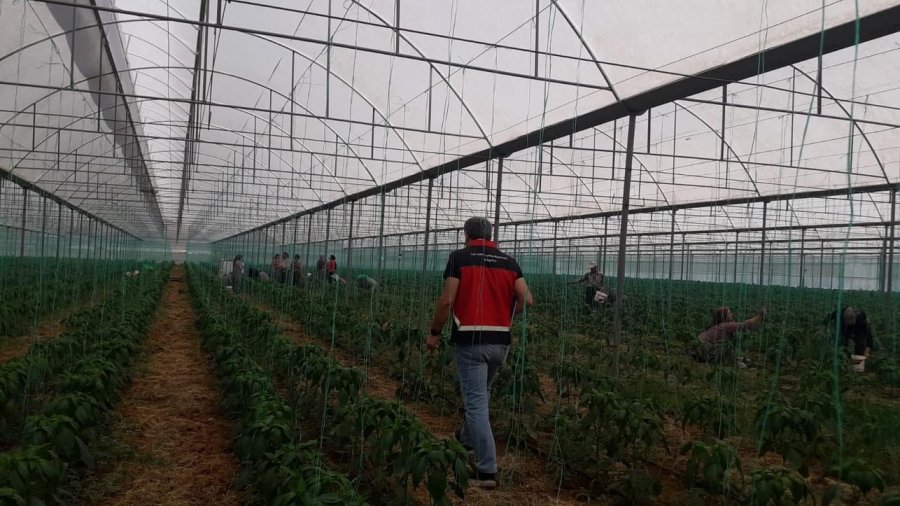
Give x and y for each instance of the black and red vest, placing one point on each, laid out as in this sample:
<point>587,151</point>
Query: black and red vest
<point>486,298</point>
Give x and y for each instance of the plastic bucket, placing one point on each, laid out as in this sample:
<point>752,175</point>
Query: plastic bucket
<point>858,362</point>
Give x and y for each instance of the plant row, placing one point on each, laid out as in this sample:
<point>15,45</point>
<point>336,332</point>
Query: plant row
<point>39,287</point>
<point>381,443</point>
<point>799,424</point>
<point>54,400</point>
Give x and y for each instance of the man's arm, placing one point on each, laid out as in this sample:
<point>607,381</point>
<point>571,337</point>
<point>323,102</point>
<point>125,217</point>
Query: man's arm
<point>442,309</point>
<point>523,295</point>
<point>754,322</point>
<point>579,280</point>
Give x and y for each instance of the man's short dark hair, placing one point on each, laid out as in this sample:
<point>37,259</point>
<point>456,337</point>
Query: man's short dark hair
<point>478,228</point>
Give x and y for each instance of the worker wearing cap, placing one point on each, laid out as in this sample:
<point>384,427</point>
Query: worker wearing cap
<point>854,326</point>
<point>593,282</point>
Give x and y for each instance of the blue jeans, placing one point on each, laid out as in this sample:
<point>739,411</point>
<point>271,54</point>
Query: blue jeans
<point>476,366</point>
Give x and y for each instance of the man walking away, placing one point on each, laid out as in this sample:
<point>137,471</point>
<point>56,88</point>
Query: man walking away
<point>483,289</point>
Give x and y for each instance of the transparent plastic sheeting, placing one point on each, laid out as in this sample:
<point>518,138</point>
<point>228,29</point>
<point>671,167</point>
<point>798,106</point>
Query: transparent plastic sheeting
<point>287,122</point>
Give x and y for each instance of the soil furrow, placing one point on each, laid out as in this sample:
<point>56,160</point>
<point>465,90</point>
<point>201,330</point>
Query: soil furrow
<point>172,420</point>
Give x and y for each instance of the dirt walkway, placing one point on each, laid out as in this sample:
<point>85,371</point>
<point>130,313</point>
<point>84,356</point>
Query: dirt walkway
<point>170,417</point>
<point>526,479</point>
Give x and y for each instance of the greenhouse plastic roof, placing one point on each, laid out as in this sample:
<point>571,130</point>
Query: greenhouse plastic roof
<point>212,117</point>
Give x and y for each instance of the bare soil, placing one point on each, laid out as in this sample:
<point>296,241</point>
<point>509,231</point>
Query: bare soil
<point>171,418</point>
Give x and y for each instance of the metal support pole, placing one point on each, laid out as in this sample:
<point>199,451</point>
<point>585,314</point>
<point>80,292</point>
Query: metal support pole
<point>90,235</point>
<point>327,232</point>
<point>890,262</point>
<point>24,211</point>
<point>831,269</point>
<point>71,231</point>
<point>802,255</point>
<point>294,236</point>
<point>762,254</point>
<point>381,239</point>
<point>821,265</point>
<point>737,244</point>
<point>260,249</point>
<point>427,235</point>
<point>275,241</point>
<point>43,225</point>
<point>690,263</point>
<point>672,247</point>
<point>350,237</point>
<point>309,218</point>
<point>497,201</point>
<point>637,259</point>
<point>555,230</point>
<point>623,241</point>
<point>59,209</point>
<point>605,236</point>
<point>515,241</point>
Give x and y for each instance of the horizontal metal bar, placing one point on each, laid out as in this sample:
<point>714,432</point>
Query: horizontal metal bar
<point>835,38</point>
<point>47,195</point>
<point>189,101</point>
<point>311,40</point>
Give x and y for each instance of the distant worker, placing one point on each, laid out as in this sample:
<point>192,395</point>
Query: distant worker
<point>322,268</point>
<point>593,281</point>
<point>276,267</point>
<point>854,326</point>
<point>366,283</point>
<point>332,270</point>
<point>715,344</point>
<point>284,267</point>
<point>297,276</point>
<point>483,289</point>
<point>237,273</point>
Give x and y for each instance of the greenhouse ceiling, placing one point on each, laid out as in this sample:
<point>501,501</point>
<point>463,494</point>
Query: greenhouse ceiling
<point>196,120</point>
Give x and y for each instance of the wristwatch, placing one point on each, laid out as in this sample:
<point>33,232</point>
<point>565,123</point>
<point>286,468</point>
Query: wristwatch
<point>435,332</point>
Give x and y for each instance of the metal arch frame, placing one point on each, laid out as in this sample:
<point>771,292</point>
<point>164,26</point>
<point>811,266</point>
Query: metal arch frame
<point>29,186</point>
<point>851,119</point>
<point>468,109</point>
<point>432,67</point>
<point>855,125</point>
<point>102,29</point>
<point>587,46</point>
<point>236,108</point>
<point>56,190</point>
<point>837,37</point>
<point>312,61</point>
<point>82,200</point>
<point>100,26</point>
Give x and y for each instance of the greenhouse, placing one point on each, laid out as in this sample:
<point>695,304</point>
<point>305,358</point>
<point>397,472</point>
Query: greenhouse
<point>463,252</point>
